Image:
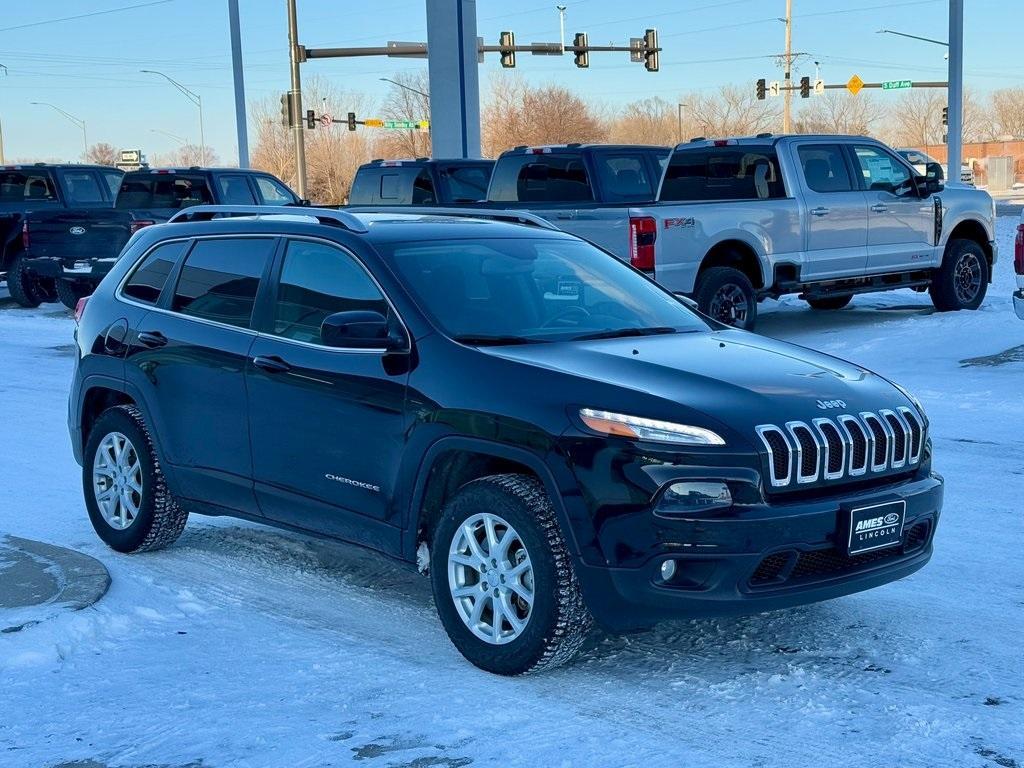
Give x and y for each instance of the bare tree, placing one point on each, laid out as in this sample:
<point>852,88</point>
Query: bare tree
<point>102,154</point>
<point>916,119</point>
<point>332,154</point>
<point>518,113</point>
<point>1008,112</point>
<point>732,111</point>
<point>839,112</point>
<point>650,121</point>
<point>409,100</point>
<point>186,156</point>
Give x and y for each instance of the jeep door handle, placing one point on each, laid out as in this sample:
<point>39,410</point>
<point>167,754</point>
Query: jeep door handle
<point>879,208</point>
<point>819,211</point>
<point>152,339</point>
<point>271,364</point>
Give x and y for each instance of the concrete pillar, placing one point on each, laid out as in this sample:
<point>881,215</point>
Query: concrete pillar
<point>955,98</point>
<point>454,78</point>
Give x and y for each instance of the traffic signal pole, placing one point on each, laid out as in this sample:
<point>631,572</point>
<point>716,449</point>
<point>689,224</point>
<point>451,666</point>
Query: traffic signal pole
<point>241,126</point>
<point>295,96</point>
<point>787,109</point>
<point>955,97</point>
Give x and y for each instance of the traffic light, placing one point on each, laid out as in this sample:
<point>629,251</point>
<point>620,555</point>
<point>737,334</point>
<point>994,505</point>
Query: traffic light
<point>651,50</point>
<point>351,121</point>
<point>507,42</point>
<point>762,87</point>
<point>945,115</point>
<point>286,110</point>
<point>310,119</point>
<point>805,87</point>
<point>582,57</point>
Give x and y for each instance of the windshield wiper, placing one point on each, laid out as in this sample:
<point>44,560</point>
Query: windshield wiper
<point>483,340</point>
<point>618,333</point>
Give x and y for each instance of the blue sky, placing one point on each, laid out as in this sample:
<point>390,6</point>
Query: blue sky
<point>90,66</point>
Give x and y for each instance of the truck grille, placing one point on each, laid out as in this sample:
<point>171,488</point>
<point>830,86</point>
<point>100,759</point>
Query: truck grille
<point>849,446</point>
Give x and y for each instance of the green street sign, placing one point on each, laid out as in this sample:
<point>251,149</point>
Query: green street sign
<point>892,85</point>
<point>405,124</point>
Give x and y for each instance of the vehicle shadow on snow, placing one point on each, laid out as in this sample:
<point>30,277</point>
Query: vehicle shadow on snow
<point>785,320</point>
<point>697,651</point>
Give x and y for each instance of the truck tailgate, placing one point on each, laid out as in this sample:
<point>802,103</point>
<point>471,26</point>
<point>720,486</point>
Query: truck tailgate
<point>77,234</point>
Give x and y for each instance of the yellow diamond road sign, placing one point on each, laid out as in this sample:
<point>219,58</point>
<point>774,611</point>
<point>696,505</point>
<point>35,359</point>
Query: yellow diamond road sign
<point>854,84</point>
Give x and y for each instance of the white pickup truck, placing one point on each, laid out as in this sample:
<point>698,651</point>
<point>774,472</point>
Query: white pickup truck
<point>825,217</point>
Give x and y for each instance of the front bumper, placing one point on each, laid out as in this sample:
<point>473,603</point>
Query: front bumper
<point>763,558</point>
<point>81,270</point>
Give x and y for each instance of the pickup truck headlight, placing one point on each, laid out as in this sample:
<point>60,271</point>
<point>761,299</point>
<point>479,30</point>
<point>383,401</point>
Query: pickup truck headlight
<point>638,428</point>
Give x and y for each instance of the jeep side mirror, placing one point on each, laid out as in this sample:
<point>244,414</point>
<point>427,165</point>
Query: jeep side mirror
<point>359,329</point>
<point>688,302</point>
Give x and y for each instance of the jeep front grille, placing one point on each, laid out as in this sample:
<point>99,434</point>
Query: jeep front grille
<point>848,446</point>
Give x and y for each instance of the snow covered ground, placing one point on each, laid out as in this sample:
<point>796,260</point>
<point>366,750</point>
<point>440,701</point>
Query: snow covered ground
<point>245,646</point>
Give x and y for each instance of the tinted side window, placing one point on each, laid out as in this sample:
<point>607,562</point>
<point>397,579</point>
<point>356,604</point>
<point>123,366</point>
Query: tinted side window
<point>18,187</point>
<point>220,279</point>
<point>316,281</point>
<point>423,189</point>
<point>162,190</point>
<point>150,276</point>
<point>724,173</point>
<point>82,187</point>
<point>234,190</point>
<point>625,177</point>
<point>541,178</point>
<point>113,179</point>
<point>825,168</point>
<point>274,192</point>
<point>468,183</point>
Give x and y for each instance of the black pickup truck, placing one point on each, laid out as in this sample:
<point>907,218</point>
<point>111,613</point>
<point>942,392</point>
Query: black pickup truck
<point>421,182</point>
<point>74,249</point>
<point>49,189</point>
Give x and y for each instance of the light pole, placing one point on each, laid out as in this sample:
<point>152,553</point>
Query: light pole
<point>180,139</point>
<point>72,118</point>
<point>561,25</point>
<point>4,68</point>
<point>679,123</point>
<point>406,87</point>
<point>196,99</point>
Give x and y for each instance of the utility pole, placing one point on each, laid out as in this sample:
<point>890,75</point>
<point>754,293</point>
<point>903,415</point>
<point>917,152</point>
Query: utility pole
<point>4,68</point>
<point>241,126</point>
<point>787,120</point>
<point>296,96</point>
<point>679,123</point>
<point>955,95</point>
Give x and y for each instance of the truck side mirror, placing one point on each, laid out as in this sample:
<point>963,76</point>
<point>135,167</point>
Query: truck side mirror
<point>933,171</point>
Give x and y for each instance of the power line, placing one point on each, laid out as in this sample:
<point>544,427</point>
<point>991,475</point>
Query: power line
<point>86,15</point>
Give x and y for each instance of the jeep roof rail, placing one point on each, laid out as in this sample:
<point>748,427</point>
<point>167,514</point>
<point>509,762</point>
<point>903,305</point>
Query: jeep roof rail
<point>321,215</point>
<point>512,217</point>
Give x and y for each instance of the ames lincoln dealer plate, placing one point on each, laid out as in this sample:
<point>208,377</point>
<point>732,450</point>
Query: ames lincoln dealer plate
<point>876,526</point>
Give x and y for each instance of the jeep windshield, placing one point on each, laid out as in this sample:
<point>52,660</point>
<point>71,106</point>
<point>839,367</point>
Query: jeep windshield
<point>521,291</point>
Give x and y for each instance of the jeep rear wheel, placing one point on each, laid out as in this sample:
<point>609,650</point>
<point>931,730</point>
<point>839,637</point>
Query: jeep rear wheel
<point>503,580</point>
<point>126,495</point>
<point>962,279</point>
<point>725,294</point>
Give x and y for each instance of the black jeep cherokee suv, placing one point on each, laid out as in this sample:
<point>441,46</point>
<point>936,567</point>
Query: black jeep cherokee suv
<point>553,434</point>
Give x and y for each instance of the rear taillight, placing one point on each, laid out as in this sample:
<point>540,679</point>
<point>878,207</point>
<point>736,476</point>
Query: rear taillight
<point>24,235</point>
<point>1018,251</point>
<point>138,224</point>
<point>642,232</point>
<point>80,308</point>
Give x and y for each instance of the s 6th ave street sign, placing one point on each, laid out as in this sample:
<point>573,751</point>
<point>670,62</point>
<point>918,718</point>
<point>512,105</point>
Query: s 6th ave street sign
<point>892,85</point>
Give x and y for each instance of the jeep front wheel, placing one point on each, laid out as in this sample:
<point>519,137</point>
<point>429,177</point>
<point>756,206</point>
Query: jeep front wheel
<point>503,580</point>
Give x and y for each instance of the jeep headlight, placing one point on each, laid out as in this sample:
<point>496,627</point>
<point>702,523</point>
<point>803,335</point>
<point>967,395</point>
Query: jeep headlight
<point>639,428</point>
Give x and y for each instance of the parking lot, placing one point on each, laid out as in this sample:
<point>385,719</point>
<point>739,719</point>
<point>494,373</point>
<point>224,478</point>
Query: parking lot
<point>352,663</point>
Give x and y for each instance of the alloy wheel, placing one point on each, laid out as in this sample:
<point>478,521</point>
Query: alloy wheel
<point>117,481</point>
<point>967,278</point>
<point>490,578</point>
<point>729,305</point>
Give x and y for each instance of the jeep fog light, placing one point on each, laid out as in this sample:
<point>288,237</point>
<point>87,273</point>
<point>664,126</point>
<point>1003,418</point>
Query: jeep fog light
<point>668,570</point>
<point>696,496</point>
